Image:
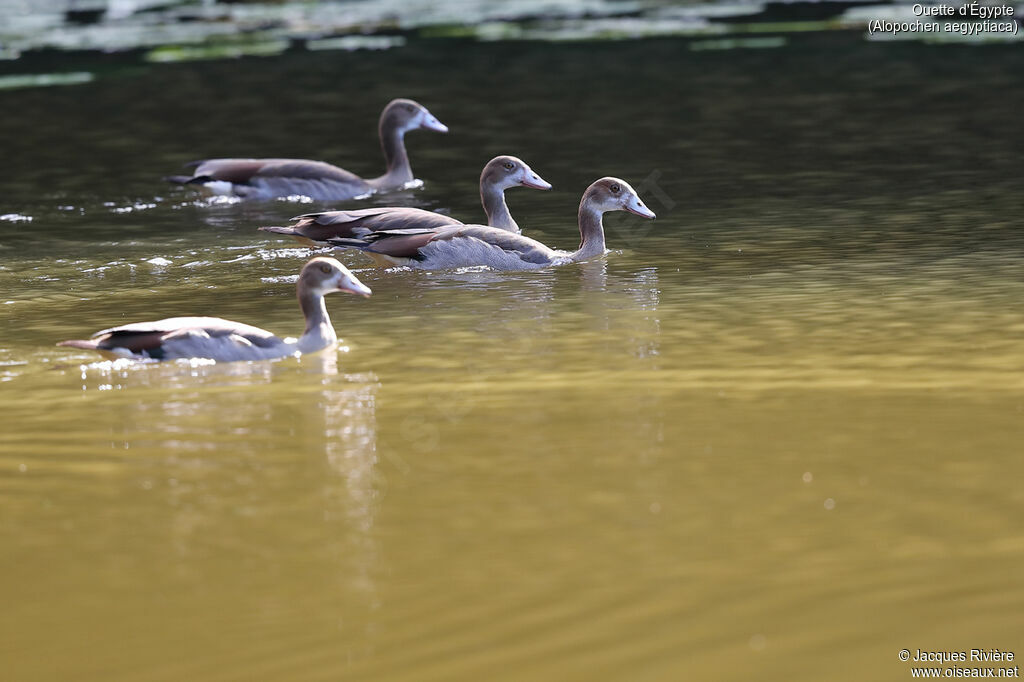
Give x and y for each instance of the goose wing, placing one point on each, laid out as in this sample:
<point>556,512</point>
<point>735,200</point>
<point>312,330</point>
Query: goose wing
<point>146,336</point>
<point>405,243</point>
<point>409,243</point>
<point>529,250</point>
<point>324,226</point>
<point>244,171</point>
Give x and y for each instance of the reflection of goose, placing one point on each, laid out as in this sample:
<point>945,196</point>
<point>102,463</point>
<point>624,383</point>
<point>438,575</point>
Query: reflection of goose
<point>224,340</point>
<point>469,245</point>
<point>500,173</point>
<point>270,178</point>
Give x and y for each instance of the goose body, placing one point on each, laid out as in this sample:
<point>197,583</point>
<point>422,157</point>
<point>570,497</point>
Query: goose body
<point>457,247</point>
<point>500,173</point>
<point>317,229</point>
<point>472,245</point>
<point>223,340</point>
<point>271,178</point>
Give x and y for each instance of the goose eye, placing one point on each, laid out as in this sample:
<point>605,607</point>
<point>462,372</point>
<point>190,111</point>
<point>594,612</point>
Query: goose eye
<point>509,165</point>
<point>325,268</point>
<point>615,189</point>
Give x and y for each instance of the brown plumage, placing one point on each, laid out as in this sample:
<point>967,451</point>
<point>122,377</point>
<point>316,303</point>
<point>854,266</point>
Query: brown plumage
<point>270,178</point>
<point>317,229</point>
<point>226,340</point>
<point>500,173</point>
<point>472,245</point>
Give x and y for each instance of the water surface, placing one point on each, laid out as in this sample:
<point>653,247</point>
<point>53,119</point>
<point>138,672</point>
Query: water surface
<point>773,435</point>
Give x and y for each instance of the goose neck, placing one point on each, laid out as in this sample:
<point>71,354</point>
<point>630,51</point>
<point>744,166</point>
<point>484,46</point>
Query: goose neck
<point>319,332</point>
<point>498,215</point>
<point>591,233</point>
<point>399,172</point>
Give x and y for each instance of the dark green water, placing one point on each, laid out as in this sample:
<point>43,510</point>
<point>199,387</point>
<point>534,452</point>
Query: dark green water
<point>774,435</point>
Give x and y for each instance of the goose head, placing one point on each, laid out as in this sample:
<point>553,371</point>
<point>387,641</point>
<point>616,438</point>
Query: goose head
<point>404,115</point>
<point>503,172</point>
<point>613,194</point>
<point>323,275</point>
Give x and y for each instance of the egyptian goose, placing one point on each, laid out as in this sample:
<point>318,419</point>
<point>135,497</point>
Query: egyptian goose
<point>226,341</point>
<point>270,178</point>
<point>500,173</point>
<point>470,245</point>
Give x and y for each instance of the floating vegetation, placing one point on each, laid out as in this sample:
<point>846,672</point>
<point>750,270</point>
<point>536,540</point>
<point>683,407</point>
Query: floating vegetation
<point>624,28</point>
<point>964,37</point>
<point>360,42</point>
<point>42,80</point>
<point>183,30</point>
<point>184,53</point>
<point>738,43</point>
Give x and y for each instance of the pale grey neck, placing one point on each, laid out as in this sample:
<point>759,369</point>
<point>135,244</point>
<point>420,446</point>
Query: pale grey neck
<point>493,199</point>
<point>319,331</point>
<point>399,172</point>
<point>591,233</point>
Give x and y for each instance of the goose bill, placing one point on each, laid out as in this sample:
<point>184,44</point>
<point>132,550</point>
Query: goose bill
<point>350,284</point>
<point>431,123</point>
<point>636,206</point>
<point>535,181</point>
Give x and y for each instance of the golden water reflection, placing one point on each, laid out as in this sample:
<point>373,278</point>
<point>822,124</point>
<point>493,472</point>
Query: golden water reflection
<point>775,434</point>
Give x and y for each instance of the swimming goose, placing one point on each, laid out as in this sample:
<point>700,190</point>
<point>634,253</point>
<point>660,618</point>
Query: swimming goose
<point>226,341</point>
<point>270,178</point>
<point>500,173</point>
<point>469,245</point>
